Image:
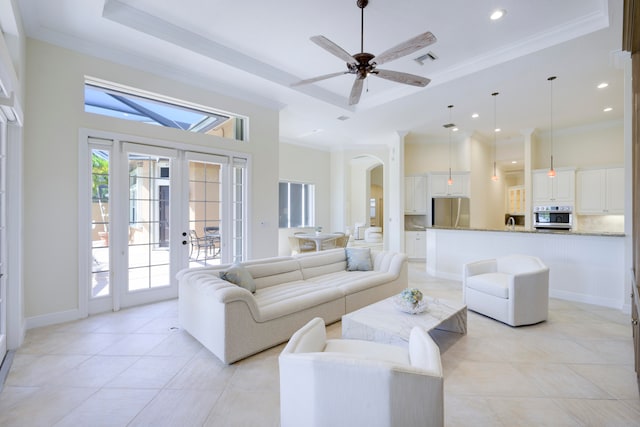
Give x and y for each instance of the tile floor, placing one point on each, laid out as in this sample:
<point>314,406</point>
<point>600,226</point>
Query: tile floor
<point>135,367</point>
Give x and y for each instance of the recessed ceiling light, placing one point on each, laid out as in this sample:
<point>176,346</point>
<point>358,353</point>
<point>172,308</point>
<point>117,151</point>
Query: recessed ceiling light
<point>475,115</point>
<point>603,85</point>
<point>455,129</point>
<point>513,162</point>
<point>497,14</point>
<point>607,109</point>
<point>497,130</point>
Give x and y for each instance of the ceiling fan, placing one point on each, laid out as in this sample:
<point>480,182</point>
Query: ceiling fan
<point>364,64</point>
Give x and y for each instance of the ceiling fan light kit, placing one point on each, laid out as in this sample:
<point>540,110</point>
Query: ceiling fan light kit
<point>364,64</point>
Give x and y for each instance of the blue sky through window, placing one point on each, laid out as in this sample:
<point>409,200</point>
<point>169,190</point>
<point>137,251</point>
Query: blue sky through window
<point>121,105</point>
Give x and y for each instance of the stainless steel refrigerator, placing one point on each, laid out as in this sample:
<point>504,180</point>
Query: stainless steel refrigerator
<point>450,212</point>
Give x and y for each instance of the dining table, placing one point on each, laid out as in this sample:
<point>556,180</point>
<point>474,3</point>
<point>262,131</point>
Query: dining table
<point>318,238</point>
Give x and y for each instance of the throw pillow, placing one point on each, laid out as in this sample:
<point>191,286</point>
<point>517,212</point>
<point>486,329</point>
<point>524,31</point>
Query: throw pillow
<point>240,276</point>
<point>359,259</point>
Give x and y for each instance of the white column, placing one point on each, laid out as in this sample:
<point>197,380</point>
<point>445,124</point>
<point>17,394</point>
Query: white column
<point>394,199</point>
<point>528,193</point>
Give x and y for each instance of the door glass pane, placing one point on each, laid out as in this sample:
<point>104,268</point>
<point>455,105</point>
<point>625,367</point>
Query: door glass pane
<point>149,218</point>
<point>205,213</point>
<point>100,224</point>
<point>239,204</point>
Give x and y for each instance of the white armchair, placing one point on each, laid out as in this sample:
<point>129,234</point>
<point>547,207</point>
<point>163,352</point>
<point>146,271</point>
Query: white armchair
<point>513,289</point>
<point>344,382</point>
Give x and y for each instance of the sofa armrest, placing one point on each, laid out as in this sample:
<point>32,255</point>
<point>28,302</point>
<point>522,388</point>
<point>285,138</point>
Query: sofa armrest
<point>211,285</point>
<point>424,353</point>
<point>389,262</point>
<point>479,267</point>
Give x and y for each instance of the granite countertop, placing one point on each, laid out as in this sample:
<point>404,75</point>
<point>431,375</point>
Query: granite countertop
<point>523,230</point>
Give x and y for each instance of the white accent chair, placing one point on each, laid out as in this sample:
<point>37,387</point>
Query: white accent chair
<point>345,382</point>
<point>373,235</point>
<point>513,289</point>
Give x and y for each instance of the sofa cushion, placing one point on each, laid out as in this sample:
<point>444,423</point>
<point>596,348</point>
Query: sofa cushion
<point>359,259</point>
<point>292,297</point>
<point>274,272</point>
<point>496,284</point>
<point>321,263</point>
<point>361,349</point>
<point>240,276</point>
<point>350,282</point>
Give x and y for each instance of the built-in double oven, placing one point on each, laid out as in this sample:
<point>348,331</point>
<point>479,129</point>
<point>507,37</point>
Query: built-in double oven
<point>553,217</point>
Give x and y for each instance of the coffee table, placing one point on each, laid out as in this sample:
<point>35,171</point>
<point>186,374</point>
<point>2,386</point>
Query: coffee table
<point>384,322</point>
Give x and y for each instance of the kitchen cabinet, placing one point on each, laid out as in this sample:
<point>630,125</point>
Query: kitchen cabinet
<point>516,200</point>
<point>415,194</point>
<point>415,244</point>
<point>440,187</point>
<point>600,191</point>
<point>554,191</point>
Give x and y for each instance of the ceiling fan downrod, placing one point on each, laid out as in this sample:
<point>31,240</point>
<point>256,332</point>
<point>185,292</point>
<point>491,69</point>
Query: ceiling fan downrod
<point>362,4</point>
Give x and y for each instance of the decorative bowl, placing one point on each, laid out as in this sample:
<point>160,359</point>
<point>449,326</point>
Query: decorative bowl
<point>407,307</point>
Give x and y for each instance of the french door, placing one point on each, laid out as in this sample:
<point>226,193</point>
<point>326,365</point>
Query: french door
<point>153,211</point>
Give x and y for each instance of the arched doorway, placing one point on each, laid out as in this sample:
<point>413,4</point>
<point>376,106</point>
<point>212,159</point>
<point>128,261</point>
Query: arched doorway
<point>366,201</point>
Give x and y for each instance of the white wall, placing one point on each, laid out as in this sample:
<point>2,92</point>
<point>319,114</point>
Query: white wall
<point>601,144</point>
<point>487,196</point>
<point>312,166</point>
<point>55,113</point>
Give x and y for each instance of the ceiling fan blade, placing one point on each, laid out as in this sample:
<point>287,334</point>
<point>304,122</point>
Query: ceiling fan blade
<point>356,91</point>
<point>333,48</point>
<point>317,79</point>
<point>406,48</point>
<point>397,76</point>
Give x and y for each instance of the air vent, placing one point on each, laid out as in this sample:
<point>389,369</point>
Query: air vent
<point>429,56</point>
<point>449,125</point>
<point>343,118</point>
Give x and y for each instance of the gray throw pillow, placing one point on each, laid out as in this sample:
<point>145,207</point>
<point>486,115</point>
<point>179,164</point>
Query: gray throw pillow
<point>359,259</point>
<point>240,276</point>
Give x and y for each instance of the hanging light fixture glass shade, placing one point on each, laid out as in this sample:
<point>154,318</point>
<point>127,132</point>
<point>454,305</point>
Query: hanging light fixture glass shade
<point>494,177</point>
<point>552,171</point>
<point>450,126</point>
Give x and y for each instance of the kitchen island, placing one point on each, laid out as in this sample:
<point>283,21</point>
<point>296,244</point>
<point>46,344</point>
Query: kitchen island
<point>584,267</point>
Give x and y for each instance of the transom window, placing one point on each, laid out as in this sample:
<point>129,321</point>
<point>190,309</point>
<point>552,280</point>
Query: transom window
<point>121,104</point>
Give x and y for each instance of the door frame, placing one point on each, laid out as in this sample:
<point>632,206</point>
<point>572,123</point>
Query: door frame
<point>180,255</point>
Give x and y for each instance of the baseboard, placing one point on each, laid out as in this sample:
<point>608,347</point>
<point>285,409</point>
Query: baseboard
<point>52,318</point>
<point>5,366</point>
<point>587,299</point>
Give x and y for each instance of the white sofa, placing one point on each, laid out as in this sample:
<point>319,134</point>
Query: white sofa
<point>234,323</point>
<point>345,382</point>
<point>513,289</point>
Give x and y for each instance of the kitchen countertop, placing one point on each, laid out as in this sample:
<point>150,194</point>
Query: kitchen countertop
<point>522,230</point>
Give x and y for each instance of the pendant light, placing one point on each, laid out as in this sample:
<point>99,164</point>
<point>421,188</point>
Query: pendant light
<point>450,126</point>
<point>494,178</point>
<point>552,171</point>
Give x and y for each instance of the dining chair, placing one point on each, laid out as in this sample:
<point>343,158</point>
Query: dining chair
<point>201,243</point>
<point>300,245</point>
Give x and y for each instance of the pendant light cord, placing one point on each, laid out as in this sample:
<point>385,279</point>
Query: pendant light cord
<point>552,172</point>
<point>451,125</point>
<point>495,133</point>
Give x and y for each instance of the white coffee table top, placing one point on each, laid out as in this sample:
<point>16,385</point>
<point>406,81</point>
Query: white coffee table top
<point>384,322</point>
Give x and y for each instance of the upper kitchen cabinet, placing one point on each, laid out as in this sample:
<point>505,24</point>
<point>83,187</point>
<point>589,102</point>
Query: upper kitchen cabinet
<point>553,191</point>
<point>415,195</point>
<point>440,187</point>
<point>516,200</point>
<point>600,191</point>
